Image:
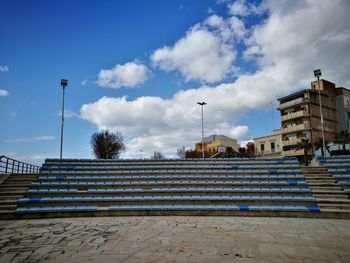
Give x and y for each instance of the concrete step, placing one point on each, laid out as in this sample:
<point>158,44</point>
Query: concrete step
<point>333,200</point>
<point>13,190</point>
<point>20,179</point>
<point>335,206</point>
<point>322,184</point>
<point>20,176</point>
<point>5,212</point>
<point>329,192</point>
<point>8,202</point>
<point>317,175</point>
<point>15,183</point>
<point>11,194</point>
<point>335,211</point>
<point>332,196</point>
<point>8,207</point>
<point>329,188</point>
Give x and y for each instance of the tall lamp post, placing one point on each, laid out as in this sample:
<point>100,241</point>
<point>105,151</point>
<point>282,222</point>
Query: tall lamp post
<point>202,104</point>
<point>64,84</point>
<point>317,74</point>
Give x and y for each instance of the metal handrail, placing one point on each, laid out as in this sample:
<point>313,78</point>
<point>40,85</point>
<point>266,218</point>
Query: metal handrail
<point>9,165</point>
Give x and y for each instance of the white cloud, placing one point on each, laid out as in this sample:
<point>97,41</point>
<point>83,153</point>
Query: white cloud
<point>31,139</point>
<point>286,47</point>
<point>4,93</point>
<point>4,68</point>
<point>295,40</point>
<point>204,54</point>
<point>241,8</point>
<point>130,74</point>
<point>238,7</point>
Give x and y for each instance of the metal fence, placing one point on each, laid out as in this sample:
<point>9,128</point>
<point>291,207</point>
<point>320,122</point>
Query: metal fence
<point>9,165</point>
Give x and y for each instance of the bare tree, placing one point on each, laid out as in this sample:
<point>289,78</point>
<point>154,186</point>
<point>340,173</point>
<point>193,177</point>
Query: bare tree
<point>107,145</point>
<point>181,152</point>
<point>158,155</point>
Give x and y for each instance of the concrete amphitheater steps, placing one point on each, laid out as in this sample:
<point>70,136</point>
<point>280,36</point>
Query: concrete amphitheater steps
<point>11,189</point>
<point>188,181</point>
<point>330,196</point>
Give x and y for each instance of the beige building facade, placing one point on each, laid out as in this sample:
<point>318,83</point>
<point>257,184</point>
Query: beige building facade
<point>269,145</point>
<point>213,143</point>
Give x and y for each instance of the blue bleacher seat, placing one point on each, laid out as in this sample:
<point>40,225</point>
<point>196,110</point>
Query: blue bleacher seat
<point>313,208</point>
<point>243,208</point>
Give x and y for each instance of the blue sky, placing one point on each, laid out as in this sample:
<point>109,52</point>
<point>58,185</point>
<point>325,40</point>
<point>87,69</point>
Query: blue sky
<point>139,67</point>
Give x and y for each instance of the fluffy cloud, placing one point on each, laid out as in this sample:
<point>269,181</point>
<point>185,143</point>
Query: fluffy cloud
<point>4,68</point>
<point>242,8</point>
<point>130,74</point>
<point>286,47</point>
<point>32,139</point>
<point>204,54</point>
<point>4,93</point>
<point>296,39</point>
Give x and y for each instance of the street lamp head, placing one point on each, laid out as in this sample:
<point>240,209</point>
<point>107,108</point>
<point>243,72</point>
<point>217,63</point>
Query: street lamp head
<point>202,103</point>
<point>317,73</point>
<point>64,83</point>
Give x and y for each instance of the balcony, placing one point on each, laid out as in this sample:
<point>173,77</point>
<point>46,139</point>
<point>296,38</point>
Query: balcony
<point>293,152</point>
<point>269,153</point>
<point>296,128</point>
<point>292,103</point>
<point>291,142</point>
<point>294,115</point>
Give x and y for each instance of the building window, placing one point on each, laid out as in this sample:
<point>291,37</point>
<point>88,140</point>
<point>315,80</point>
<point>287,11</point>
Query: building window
<point>273,147</point>
<point>262,147</point>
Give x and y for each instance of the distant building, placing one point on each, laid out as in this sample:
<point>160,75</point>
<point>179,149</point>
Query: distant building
<point>343,108</point>
<point>216,143</point>
<point>300,115</point>
<point>269,145</point>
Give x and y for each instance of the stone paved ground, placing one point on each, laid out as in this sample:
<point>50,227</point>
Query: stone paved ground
<point>175,239</point>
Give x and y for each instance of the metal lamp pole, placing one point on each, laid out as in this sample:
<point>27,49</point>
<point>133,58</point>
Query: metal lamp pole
<point>202,104</point>
<point>64,84</point>
<point>318,74</point>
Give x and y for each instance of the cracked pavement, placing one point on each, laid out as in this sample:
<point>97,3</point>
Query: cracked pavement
<point>175,239</point>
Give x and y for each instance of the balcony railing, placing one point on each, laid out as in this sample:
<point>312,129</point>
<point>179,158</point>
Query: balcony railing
<point>291,142</point>
<point>293,152</point>
<point>292,103</point>
<point>273,152</point>
<point>294,115</point>
<point>296,128</point>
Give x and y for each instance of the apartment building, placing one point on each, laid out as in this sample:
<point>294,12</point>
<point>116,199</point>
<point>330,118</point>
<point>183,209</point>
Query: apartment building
<point>301,119</point>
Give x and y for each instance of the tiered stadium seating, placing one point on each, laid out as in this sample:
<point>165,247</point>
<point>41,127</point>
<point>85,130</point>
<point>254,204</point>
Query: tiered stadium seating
<point>166,187</point>
<point>339,168</point>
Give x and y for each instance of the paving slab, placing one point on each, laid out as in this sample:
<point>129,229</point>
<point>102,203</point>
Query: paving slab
<point>175,239</point>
